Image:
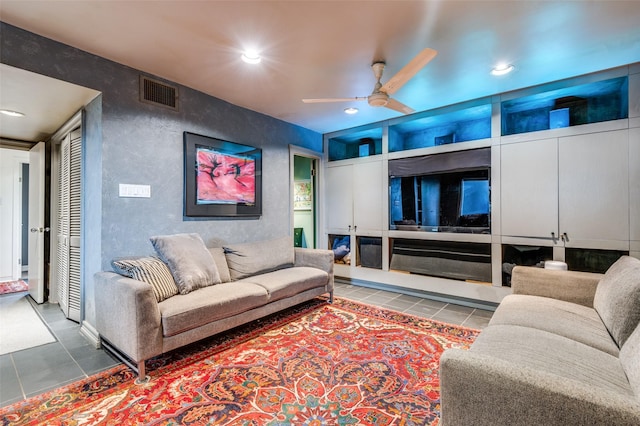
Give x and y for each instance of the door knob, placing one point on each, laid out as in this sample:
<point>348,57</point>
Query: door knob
<point>47,229</point>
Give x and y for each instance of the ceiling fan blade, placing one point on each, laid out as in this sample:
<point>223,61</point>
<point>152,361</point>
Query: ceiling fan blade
<point>399,106</point>
<point>313,101</point>
<point>408,71</point>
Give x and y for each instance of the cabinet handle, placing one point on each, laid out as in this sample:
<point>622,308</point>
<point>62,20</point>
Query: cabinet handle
<point>565,237</point>
<point>349,228</point>
<point>355,228</point>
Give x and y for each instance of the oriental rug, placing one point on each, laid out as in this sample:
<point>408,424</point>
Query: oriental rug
<point>13,286</point>
<point>344,363</point>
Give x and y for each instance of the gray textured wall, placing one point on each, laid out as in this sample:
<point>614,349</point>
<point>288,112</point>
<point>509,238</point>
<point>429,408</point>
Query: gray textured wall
<point>127,141</point>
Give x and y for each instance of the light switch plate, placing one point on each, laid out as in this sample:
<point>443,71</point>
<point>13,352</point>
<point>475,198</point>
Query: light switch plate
<point>135,191</point>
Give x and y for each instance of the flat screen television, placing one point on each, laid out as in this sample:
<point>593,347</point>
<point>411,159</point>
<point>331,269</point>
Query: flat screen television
<point>442,202</point>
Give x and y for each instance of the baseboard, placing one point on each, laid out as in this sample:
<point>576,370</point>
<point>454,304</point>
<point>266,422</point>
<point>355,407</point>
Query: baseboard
<point>91,334</point>
<point>472,303</point>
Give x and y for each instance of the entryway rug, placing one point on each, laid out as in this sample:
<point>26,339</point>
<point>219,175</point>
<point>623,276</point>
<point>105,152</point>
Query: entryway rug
<point>340,364</point>
<point>13,286</point>
<point>20,325</point>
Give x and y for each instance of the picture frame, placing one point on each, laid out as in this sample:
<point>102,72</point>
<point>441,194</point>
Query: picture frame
<point>302,199</point>
<point>221,178</point>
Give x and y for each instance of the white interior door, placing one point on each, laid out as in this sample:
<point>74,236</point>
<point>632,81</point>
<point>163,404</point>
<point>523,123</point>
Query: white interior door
<point>36,222</point>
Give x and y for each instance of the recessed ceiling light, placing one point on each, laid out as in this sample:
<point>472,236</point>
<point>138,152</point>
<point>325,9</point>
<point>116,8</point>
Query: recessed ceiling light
<point>11,113</point>
<point>251,57</point>
<point>502,69</point>
<point>351,110</point>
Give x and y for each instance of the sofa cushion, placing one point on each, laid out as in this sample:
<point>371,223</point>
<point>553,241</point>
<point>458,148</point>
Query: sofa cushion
<point>540,350</point>
<point>221,263</point>
<point>188,311</point>
<point>249,259</point>
<point>189,260</point>
<point>617,298</point>
<point>289,281</point>
<point>630,360</point>
<point>150,270</point>
<point>576,322</point>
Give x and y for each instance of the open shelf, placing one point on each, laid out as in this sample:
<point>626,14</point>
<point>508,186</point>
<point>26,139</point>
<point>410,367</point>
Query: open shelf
<point>363,143</point>
<point>439,128</point>
<point>571,106</point>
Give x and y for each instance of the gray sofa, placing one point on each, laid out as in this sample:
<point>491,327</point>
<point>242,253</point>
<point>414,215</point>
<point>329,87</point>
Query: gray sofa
<point>189,292</point>
<point>564,349</point>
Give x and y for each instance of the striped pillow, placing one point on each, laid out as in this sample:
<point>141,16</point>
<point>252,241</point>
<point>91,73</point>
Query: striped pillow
<point>151,270</point>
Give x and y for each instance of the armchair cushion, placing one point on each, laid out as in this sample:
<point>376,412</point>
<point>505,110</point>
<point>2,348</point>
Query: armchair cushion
<point>617,298</point>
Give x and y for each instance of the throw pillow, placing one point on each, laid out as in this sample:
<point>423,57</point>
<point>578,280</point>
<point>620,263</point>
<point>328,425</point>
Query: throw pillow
<point>150,270</point>
<point>249,259</point>
<point>221,263</point>
<point>189,260</point>
<point>617,298</point>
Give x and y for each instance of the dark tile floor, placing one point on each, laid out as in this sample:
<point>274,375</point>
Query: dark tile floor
<point>33,371</point>
<point>36,370</point>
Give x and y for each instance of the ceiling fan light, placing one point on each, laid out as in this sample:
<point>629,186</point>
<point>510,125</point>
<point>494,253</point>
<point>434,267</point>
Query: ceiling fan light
<point>351,110</point>
<point>251,57</point>
<point>502,69</point>
<point>11,113</point>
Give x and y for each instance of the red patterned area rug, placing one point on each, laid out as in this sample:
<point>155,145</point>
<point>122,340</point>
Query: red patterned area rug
<point>13,287</point>
<point>316,364</point>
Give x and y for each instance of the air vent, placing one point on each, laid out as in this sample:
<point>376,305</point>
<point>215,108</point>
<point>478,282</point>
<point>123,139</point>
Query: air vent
<point>157,93</point>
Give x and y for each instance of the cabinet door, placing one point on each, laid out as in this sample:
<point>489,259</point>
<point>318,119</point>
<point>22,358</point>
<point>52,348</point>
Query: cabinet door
<point>339,198</point>
<point>367,196</point>
<point>529,189</point>
<point>634,183</point>
<point>594,189</point>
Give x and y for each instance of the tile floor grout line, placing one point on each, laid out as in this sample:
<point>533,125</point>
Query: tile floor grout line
<point>467,318</point>
<point>15,368</point>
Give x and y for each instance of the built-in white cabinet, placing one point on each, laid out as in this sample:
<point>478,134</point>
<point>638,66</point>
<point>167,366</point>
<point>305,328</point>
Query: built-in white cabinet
<point>353,197</point>
<point>564,185</point>
<point>593,182</point>
<point>529,190</point>
<point>634,184</point>
<point>570,190</point>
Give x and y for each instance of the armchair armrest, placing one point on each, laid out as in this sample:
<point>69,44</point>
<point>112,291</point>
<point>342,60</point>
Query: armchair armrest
<point>127,315</point>
<point>571,286</point>
<point>481,390</point>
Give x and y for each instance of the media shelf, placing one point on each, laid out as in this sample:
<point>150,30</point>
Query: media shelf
<point>363,143</point>
<point>441,128</point>
<point>570,106</point>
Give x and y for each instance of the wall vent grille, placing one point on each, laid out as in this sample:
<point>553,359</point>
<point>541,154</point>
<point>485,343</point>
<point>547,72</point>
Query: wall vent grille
<point>158,93</point>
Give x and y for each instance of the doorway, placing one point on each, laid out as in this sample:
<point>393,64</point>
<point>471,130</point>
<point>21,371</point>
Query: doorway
<point>304,200</point>
<point>12,163</point>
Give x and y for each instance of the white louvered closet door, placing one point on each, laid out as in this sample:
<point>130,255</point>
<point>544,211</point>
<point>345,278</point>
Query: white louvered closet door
<point>69,202</point>
<point>62,249</point>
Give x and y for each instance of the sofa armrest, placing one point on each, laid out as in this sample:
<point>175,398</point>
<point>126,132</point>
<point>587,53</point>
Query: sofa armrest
<point>316,258</point>
<point>127,315</point>
<point>571,286</point>
<point>477,389</point>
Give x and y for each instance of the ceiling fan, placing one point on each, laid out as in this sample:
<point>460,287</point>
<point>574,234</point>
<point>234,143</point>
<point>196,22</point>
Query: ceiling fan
<point>380,95</point>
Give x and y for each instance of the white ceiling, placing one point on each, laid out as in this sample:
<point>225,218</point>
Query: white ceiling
<point>47,103</point>
<point>315,49</point>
